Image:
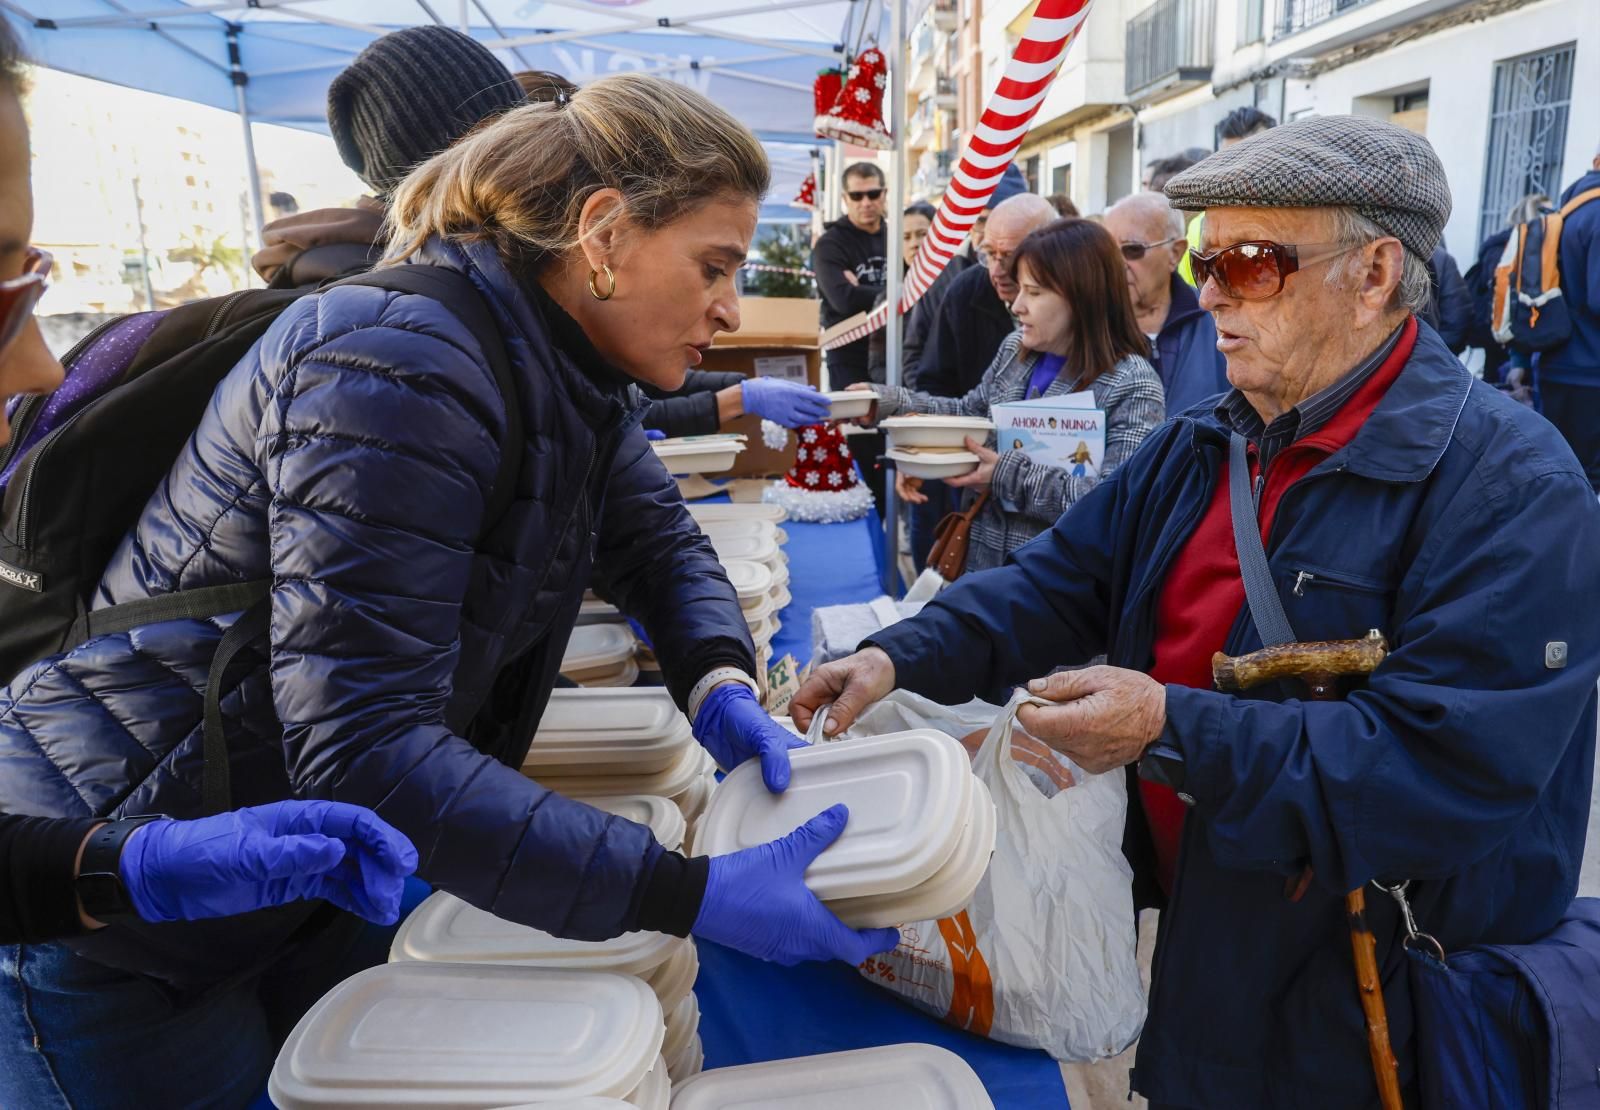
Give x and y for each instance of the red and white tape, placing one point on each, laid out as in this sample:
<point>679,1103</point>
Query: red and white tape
<point>992,147</point>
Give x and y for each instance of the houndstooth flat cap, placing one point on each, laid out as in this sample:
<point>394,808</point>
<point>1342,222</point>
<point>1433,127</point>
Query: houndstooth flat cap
<point>1388,174</point>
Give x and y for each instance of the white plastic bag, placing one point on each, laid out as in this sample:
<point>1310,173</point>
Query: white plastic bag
<point>1044,955</point>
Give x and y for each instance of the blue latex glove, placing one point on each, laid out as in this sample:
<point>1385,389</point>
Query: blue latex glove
<point>757,902</point>
<point>654,433</point>
<point>267,856</point>
<point>788,403</point>
<point>733,727</point>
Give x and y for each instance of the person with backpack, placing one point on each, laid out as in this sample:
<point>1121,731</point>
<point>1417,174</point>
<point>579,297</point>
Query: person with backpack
<point>356,580</point>
<point>1569,375</point>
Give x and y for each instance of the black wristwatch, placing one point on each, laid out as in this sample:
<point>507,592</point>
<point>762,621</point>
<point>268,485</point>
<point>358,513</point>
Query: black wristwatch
<point>99,883</point>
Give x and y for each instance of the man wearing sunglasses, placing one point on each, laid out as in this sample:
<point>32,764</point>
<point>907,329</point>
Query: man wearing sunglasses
<point>850,260</point>
<point>1391,491</point>
<point>1182,337</point>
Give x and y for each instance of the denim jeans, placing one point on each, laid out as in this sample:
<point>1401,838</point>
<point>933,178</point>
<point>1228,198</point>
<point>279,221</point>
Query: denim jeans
<point>75,1033</point>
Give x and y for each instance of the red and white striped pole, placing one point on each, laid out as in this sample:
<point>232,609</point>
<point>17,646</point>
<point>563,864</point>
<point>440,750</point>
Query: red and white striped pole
<point>992,147</point>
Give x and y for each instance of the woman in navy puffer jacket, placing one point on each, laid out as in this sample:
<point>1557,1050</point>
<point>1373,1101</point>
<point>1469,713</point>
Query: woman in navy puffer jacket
<point>349,459</point>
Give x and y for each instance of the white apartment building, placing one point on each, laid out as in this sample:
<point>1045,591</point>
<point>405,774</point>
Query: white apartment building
<point>1508,91</point>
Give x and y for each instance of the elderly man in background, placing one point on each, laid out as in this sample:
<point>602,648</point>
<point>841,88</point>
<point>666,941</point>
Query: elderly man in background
<point>1182,337</point>
<point>1392,492</point>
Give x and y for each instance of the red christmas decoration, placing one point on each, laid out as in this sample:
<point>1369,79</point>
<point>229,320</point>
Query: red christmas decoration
<point>857,116</point>
<point>807,197</point>
<point>822,485</point>
<point>825,91</point>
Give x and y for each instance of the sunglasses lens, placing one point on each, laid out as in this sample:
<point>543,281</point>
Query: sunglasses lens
<point>15,307</point>
<point>1250,271</point>
<point>1133,251</point>
<point>867,194</point>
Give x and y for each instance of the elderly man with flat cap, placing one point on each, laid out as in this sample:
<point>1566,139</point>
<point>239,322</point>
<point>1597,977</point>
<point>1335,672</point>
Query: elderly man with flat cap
<point>1391,492</point>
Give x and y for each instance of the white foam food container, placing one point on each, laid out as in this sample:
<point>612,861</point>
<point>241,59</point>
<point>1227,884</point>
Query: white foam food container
<point>750,580</point>
<point>910,796</point>
<point>639,731</point>
<point>763,632</point>
<point>732,529</point>
<point>673,979</point>
<point>758,510</point>
<point>688,1063</point>
<point>849,404</point>
<point>935,431</point>
<point>933,464</point>
<point>609,678</point>
<point>595,1102</point>
<point>755,549</point>
<point>682,1025</point>
<point>947,892</point>
<point>666,784</point>
<point>781,597</point>
<point>780,574</point>
<point>757,614</point>
<point>894,1077</point>
<point>698,454</point>
<point>661,815</point>
<point>654,1091</point>
<point>413,1035</point>
<point>445,930</point>
<point>597,648</point>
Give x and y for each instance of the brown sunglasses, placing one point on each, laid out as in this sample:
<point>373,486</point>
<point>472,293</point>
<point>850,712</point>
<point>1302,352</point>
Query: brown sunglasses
<point>20,295</point>
<point>1256,270</point>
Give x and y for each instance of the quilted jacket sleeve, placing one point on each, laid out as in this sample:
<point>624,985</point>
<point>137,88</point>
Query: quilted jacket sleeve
<point>658,567</point>
<point>379,448</point>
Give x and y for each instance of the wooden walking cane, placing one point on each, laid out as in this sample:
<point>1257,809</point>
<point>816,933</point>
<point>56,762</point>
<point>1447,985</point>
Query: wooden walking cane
<point>1320,666</point>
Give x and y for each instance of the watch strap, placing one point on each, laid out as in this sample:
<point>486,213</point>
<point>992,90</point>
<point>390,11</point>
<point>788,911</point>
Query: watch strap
<point>99,885</point>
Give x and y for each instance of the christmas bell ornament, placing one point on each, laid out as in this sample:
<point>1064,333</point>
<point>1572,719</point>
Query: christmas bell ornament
<point>822,486</point>
<point>807,197</point>
<point>857,116</point>
<point>825,93</point>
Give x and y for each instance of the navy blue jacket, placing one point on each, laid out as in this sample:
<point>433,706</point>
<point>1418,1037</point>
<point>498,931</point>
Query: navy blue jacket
<point>348,458</point>
<point>1577,362</point>
<point>1187,360</point>
<point>1458,523</point>
<point>968,328</point>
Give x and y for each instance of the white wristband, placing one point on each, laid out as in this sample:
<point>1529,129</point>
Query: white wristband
<point>714,679</point>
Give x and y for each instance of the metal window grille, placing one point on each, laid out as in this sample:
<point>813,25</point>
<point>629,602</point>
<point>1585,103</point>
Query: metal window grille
<point>1527,131</point>
<point>1297,15</point>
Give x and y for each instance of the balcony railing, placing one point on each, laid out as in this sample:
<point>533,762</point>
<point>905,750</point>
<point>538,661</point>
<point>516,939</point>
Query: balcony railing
<point>1169,43</point>
<point>1297,15</point>
<point>945,14</point>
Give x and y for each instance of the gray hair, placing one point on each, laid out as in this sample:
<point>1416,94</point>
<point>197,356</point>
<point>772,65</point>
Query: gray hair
<point>1352,229</point>
<point>1528,208</point>
<point>1155,206</point>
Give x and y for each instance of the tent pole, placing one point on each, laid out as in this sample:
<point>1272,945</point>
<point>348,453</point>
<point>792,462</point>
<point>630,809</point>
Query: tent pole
<point>892,328</point>
<point>252,171</point>
<point>819,175</point>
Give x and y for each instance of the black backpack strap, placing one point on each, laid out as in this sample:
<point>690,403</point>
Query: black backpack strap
<point>456,292</point>
<point>216,778</point>
<point>198,603</point>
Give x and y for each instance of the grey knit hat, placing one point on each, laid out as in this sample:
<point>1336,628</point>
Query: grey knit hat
<point>409,95</point>
<point>1387,174</point>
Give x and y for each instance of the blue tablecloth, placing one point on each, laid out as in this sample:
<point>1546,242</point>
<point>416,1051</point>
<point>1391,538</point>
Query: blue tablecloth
<point>752,1011</point>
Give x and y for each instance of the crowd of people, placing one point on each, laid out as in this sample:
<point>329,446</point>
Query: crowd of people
<point>403,513</point>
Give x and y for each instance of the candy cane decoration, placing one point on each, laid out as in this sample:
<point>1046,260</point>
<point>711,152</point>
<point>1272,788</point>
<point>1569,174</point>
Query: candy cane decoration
<point>992,147</point>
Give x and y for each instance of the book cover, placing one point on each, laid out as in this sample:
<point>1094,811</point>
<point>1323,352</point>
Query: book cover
<point>1065,431</point>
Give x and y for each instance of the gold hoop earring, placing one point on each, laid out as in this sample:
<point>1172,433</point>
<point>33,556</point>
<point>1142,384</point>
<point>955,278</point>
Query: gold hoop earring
<point>611,283</point>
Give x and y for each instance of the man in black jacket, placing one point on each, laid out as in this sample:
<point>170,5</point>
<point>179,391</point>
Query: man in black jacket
<point>850,260</point>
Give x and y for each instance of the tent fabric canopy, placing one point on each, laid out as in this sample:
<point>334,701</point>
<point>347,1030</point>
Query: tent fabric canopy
<point>756,59</point>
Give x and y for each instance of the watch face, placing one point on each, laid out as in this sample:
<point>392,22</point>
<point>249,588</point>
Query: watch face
<point>103,896</point>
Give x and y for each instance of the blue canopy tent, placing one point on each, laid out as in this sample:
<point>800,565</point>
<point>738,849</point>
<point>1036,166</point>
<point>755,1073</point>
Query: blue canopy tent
<point>271,60</point>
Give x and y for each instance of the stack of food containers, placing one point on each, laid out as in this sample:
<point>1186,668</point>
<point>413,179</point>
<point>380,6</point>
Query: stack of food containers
<point>739,544</point>
<point>735,510</point>
<point>601,655</point>
<point>934,446</point>
<point>920,834</point>
<point>609,743</point>
<point>405,1036</point>
<point>709,454</point>
<point>445,930</point>
<point>894,1077</point>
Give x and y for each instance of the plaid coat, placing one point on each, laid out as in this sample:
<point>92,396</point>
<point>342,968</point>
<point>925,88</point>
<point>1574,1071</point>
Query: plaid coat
<point>1026,497</point>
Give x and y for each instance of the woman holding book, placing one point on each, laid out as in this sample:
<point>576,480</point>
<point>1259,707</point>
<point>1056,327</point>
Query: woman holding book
<point>1077,333</point>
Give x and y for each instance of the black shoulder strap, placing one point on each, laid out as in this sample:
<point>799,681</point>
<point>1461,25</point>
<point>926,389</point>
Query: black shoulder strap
<point>1266,607</point>
<point>456,292</point>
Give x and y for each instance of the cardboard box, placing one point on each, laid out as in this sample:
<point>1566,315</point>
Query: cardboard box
<point>777,336</point>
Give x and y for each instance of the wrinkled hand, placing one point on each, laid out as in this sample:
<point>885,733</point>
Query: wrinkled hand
<point>909,489</point>
<point>980,477</point>
<point>268,856</point>
<point>1108,717</point>
<point>783,402</point>
<point>733,727</point>
<point>851,684</point>
<point>757,902</point>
